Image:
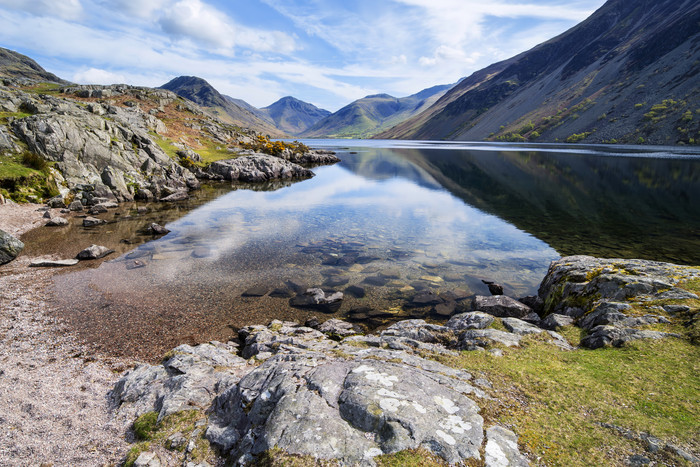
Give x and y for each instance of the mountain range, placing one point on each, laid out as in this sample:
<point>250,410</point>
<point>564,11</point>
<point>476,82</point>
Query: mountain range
<point>627,74</point>
<point>370,115</point>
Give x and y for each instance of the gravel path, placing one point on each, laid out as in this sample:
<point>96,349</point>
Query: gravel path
<point>54,396</point>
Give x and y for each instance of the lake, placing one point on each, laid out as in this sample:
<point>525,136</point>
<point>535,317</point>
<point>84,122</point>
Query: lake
<point>393,220</point>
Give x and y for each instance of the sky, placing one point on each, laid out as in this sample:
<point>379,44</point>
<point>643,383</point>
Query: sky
<point>326,52</point>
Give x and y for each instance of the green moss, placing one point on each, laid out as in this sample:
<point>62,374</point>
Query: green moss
<point>152,432</point>
<point>498,324</point>
<point>6,116</point>
<point>145,426</point>
<point>21,181</point>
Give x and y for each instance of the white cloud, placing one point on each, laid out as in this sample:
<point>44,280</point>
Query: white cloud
<point>138,8</point>
<point>195,20</point>
<point>445,53</point>
<point>97,76</point>
<point>66,9</point>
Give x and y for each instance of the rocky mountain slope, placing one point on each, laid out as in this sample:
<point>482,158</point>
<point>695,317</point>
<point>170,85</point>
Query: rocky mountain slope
<point>294,116</point>
<point>627,74</point>
<point>17,66</point>
<point>230,110</point>
<point>372,114</point>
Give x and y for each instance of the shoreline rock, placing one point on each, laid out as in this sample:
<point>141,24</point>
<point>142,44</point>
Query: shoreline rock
<point>10,247</point>
<point>258,168</point>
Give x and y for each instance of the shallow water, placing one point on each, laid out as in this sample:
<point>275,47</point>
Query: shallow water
<point>393,218</point>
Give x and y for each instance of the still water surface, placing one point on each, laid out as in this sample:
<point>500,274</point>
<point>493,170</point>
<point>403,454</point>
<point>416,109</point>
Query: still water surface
<point>392,218</point>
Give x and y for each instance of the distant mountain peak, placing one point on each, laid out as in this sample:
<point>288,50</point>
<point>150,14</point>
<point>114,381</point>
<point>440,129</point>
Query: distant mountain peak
<point>372,114</point>
<point>292,115</point>
<point>236,111</point>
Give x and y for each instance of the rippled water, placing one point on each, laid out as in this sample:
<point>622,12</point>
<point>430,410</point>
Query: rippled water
<point>393,218</point>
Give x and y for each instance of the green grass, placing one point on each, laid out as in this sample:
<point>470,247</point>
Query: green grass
<point>25,177</point>
<point>410,458</point>
<point>165,144</point>
<point>5,116</point>
<point>555,400</point>
<point>213,151</point>
<point>43,88</point>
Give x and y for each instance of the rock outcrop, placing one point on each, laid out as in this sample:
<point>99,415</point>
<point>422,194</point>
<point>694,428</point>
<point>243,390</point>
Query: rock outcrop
<point>613,299</point>
<point>302,392</point>
<point>102,150</point>
<point>258,168</point>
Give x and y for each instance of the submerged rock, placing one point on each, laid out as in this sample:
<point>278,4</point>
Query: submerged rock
<point>317,298</point>
<point>93,221</point>
<point>157,229</point>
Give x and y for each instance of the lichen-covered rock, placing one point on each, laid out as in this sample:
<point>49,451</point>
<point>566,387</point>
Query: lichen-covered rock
<point>580,281</point>
<point>315,396</point>
<point>10,247</point>
<point>613,336</point>
<point>607,295</point>
<point>555,321</point>
<point>350,410</point>
<point>189,379</point>
<point>473,338</point>
<point>470,320</point>
<point>502,449</point>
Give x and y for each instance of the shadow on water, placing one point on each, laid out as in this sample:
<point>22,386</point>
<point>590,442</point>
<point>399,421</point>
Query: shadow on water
<point>384,226</point>
<point>630,207</point>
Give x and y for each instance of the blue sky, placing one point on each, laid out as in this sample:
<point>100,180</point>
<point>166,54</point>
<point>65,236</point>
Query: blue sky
<point>328,52</point>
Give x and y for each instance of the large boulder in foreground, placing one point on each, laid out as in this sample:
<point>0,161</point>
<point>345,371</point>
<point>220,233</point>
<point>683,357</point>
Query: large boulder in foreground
<point>10,247</point>
<point>258,168</point>
<point>305,393</point>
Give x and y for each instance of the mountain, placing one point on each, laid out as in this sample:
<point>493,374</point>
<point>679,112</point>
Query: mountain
<point>14,65</point>
<point>230,110</point>
<point>294,116</point>
<point>370,115</point>
<point>627,74</point>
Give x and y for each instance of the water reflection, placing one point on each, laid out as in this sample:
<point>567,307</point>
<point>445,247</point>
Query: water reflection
<point>383,226</point>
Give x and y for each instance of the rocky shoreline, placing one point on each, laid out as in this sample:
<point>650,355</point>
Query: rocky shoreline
<point>102,144</point>
<point>270,390</point>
